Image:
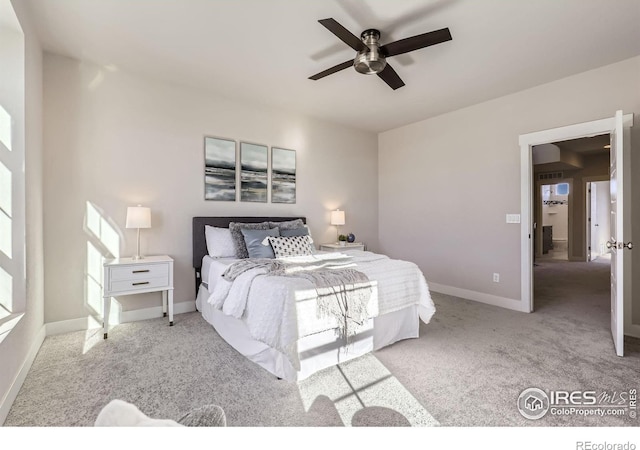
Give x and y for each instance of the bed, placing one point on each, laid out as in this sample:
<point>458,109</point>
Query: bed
<point>272,319</point>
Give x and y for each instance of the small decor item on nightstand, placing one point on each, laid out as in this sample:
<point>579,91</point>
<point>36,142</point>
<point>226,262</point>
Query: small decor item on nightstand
<point>342,240</point>
<point>351,238</point>
<point>138,217</point>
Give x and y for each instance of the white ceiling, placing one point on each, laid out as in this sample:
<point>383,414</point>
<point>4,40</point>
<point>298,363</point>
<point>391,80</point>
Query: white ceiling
<point>263,51</point>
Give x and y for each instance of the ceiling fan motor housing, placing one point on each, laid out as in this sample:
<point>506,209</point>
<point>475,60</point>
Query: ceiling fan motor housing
<point>370,61</point>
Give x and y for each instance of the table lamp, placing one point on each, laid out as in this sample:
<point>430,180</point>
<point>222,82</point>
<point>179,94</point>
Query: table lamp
<point>138,217</point>
<point>337,219</point>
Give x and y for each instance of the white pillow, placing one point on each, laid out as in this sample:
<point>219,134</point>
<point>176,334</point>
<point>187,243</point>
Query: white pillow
<point>219,242</point>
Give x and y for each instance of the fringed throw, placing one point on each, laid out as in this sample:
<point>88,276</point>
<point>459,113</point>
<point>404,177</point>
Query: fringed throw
<point>271,266</point>
<point>343,295</point>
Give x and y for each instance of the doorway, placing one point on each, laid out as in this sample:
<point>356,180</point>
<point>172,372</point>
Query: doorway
<point>566,221</point>
<point>618,127</point>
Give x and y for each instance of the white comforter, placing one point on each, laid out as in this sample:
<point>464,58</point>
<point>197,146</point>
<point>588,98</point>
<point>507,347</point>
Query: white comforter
<point>279,310</point>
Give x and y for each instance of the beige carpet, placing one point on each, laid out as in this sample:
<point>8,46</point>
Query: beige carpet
<point>466,369</point>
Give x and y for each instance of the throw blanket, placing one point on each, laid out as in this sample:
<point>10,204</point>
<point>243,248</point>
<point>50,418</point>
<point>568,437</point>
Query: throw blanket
<point>342,292</point>
<point>342,295</point>
<point>272,266</point>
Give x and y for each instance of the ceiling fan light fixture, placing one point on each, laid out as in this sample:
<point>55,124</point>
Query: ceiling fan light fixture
<point>370,61</point>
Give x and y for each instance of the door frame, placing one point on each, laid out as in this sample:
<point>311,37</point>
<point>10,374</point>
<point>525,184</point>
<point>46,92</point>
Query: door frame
<point>526,142</point>
<point>587,180</point>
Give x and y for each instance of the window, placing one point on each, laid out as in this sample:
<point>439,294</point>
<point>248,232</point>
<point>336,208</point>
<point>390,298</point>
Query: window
<point>12,159</point>
<point>562,189</point>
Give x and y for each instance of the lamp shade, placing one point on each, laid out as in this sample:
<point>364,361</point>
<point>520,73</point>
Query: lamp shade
<point>138,217</point>
<point>337,217</point>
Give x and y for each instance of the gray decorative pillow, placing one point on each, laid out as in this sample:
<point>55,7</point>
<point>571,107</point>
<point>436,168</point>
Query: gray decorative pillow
<point>291,246</point>
<point>304,231</point>
<point>257,245</point>
<point>287,225</point>
<point>238,238</point>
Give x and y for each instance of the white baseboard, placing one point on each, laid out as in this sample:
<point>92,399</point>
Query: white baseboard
<point>67,326</point>
<point>89,322</point>
<point>11,395</point>
<point>481,297</point>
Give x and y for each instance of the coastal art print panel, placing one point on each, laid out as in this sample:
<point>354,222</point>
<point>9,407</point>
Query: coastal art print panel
<point>219,169</point>
<point>283,175</point>
<point>253,174</point>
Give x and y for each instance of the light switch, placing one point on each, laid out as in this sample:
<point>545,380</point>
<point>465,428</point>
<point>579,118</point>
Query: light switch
<point>513,218</point>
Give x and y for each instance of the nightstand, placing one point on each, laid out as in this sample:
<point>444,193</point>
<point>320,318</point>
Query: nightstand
<point>126,276</point>
<point>338,248</point>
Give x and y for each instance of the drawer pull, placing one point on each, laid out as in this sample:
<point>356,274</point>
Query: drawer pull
<point>141,271</point>
<point>139,283</point>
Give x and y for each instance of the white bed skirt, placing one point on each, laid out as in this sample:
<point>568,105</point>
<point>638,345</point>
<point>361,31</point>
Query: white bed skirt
<point>317,351</point>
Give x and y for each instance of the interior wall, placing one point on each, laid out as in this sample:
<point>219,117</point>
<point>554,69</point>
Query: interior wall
<point>446,183</point>
<point>114,140</point>
<point>18,343</point>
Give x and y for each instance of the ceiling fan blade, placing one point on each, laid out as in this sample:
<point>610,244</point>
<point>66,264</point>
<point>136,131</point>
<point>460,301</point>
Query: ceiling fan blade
<point>343,34</point>
<point>416,42</point>
<point>391,77</point>
<point>334,69</point>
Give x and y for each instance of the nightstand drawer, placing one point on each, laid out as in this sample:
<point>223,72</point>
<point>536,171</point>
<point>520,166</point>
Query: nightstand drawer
<point>139,272</point>
<point>139,284</point>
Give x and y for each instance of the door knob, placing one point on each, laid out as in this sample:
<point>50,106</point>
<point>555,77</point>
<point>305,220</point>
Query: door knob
<point>611,244</point>
<point>628,245</point>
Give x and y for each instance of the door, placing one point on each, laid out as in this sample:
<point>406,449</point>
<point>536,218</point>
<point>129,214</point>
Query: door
<point>616,242</point>
<point>590,208</point>
<point>594,249</point>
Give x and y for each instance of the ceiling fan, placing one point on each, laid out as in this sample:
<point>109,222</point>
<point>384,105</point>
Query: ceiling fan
<point>371,57</point>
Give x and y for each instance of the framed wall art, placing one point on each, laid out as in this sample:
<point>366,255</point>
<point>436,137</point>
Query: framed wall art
<point>219,169</point>
<point>283,175</point>
<point>254,172</point>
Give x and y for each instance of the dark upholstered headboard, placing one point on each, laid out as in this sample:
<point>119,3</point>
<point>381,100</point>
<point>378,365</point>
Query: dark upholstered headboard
<point>200,243</point>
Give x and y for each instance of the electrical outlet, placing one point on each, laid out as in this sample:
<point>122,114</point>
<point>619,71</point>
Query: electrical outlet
<point>496,278</point>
